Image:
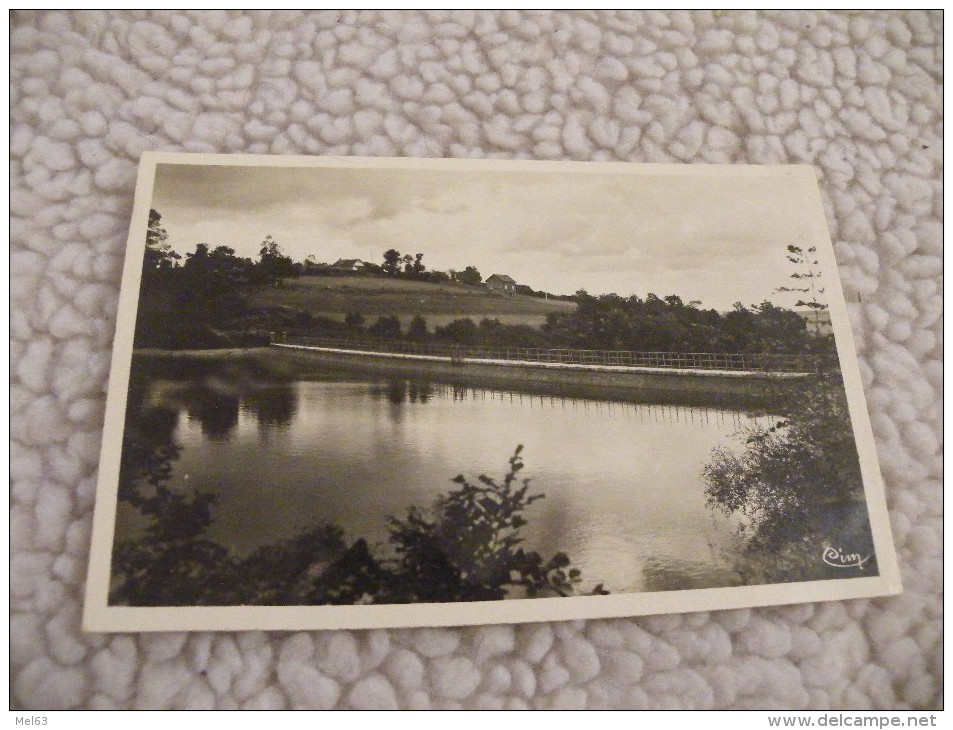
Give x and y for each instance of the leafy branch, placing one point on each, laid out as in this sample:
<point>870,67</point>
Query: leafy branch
<point>465,547</point>
<point>468,547</point>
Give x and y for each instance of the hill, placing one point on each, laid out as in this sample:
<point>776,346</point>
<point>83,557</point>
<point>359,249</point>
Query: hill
<point>439,304</point>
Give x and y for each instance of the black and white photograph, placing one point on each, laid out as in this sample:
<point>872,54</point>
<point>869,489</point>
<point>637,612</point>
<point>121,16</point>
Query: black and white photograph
<point>366,393</point>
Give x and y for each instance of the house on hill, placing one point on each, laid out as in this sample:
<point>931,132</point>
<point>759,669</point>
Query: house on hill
<point>351,265</point>
<point>502,283</point>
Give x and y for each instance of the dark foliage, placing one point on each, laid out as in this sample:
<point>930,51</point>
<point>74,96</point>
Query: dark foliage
<point>459,331</point>
<point>386,327</point>
<point>354,320</point>
<point>493,333</point>
<point>203,301</point>
<point>285,573</point>
<point>796,488</point>
<point>273,265</point>
<point>654,324</point>
<point>417,329</point>
<point>392,262</point>
<point>159,255</point>
<point>470,275</point>
<point>466,547</point>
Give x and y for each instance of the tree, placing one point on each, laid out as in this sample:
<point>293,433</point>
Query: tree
<point>392,261</point>
<point>273,265</point>
<point>417,329</point>
<point>159,254</point>
<point>212,286</point>
<point>460,331</point>
<point>158,567</point>
<point>470,276</point>
<point>808,276</point>
<point>386,327</point>
<point>493,333</point>
<point>796,488</point>
<point>418,267</point>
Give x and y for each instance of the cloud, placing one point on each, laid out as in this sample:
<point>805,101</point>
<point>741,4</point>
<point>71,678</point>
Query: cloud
<point>670,231</point>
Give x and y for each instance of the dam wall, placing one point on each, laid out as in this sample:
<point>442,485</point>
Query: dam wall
<point>595,381</point>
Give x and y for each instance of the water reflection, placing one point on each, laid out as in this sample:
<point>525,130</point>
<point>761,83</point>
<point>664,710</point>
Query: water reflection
<point>274,406</point>
<point>402,391</point>
<point>216,412</point>
<point>622,479</point>
<point>216,408</point>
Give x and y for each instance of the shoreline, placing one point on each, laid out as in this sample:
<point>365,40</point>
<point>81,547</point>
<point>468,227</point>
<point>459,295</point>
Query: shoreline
<point>295,363</point>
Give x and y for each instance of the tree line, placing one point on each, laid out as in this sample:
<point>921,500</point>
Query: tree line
<point>668,324</point>
<point>612,322</point>
<point>202,301</point>
<point>411,266</point>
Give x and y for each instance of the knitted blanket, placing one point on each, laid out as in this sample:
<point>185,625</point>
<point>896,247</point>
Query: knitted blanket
<point>857,95</point>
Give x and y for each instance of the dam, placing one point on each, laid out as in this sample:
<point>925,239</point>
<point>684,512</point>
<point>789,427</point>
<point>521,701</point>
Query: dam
<point>616,375</point>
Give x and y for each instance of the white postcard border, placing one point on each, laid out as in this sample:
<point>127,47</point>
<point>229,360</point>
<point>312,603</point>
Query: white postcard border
<point>99,616</point>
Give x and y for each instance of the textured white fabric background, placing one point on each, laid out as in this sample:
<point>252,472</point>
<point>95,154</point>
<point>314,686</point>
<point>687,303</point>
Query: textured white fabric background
<point>857,95</point>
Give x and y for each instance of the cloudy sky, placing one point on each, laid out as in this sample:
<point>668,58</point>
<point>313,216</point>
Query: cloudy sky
<point>717,238</point>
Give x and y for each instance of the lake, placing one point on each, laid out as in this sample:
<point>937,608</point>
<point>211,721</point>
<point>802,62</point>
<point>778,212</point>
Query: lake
<point>623,492</point>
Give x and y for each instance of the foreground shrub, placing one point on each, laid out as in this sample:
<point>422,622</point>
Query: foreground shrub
<point>796,489</point>
<point>465,547</point>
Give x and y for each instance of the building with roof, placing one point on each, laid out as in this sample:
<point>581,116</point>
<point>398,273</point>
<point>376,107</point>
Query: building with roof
<point>351,264</point>
<point>502,283</point>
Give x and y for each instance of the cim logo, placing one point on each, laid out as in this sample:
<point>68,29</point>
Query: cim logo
<point>838,559</point>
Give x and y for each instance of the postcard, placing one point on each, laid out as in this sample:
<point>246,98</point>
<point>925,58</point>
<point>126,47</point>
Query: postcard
<point>357,393</point>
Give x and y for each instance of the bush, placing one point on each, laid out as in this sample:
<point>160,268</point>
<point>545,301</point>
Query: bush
<point>417,329</point>
<point>466,547</point>
<point>354,320</point>
<point>796,488</point>
<point>459,331</point>
<point>386,327</point>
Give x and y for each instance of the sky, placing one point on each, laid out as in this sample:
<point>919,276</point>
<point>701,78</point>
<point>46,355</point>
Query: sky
<point>714,237</point>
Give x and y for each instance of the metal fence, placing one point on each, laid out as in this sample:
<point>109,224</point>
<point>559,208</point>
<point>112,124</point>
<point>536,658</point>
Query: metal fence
<point>759,362</point>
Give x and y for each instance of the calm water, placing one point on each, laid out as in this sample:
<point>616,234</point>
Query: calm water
<point>624,498</point>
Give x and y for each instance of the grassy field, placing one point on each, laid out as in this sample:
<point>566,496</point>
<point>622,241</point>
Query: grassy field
<point>438,303</point>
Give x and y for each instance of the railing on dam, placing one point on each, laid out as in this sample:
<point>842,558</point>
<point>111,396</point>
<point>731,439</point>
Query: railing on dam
<point>728,361</point>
